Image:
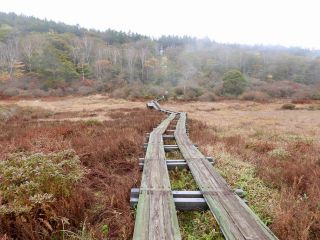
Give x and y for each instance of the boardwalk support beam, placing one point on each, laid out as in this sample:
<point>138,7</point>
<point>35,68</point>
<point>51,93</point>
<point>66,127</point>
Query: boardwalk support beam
<point>183,200</point>
<point>175,163</point>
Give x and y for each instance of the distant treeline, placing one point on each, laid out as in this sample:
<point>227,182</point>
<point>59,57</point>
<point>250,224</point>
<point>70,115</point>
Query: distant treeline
<point>40,57</point>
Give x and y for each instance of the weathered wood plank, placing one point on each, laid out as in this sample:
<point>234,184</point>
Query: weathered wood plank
<point>236,220</point>
<point>176,194</point>
<point>165,137</point>
<point>174,164</point>
<point>156,216</point>
<point>183,204</point>
<point>210,159</point>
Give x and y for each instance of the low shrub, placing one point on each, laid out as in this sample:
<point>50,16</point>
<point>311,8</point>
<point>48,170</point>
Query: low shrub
<point>192,93</point>
<point>39,93</point>
<point>7,112</point>
<point>10,92</point>
<point>254,96</point>
<point>84,90</point>
<point>178,91</point>
<point>278,153</point>
<point>314,107</point>
<point>288,106</point>
<point>128,92</point>
<point>153,91</point>
<point>316,96</point>
<point>32,185</point>
<point>208,97</point>
<point>25,93</point>
<point>119,93</point>
<point>234,83</point>
<point>301,101</point>
<point>282,89</point>
<point>56,92</point>
<point>36,179</point>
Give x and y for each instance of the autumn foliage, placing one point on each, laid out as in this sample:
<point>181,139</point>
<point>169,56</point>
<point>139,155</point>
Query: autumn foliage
<point>98,200</point>
<point>293,169</point>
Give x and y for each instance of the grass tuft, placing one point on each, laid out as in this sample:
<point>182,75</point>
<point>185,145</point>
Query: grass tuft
<point>182,180</point>
<point>196,225</point>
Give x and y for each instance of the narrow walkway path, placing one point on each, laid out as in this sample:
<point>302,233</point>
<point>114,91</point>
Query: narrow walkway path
<point>156,213</point>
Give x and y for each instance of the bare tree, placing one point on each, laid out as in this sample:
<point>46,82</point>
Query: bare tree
<point>82,52</point>
<point>115,53</point>
<point>30,46</point>
<point>102,62</point>
<point>102,69</point>
<point>143,53</point>
<point>87,46</point>
<point>10,54</point>
<point>130,54</point>
<point>142,57</point>
<point>2,56</point>
<point>75,50</point>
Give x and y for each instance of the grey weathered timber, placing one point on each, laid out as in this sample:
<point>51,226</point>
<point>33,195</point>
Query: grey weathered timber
<point>170,130</point>
<point>165,137</point>
<point>210,159</point>
<point>174,163</point>
<point>168,137</point>
<point>183,200</point>
<point>176,194</point>
<point>235,218</point>
<point>167,148</point>
<point>156,216</point>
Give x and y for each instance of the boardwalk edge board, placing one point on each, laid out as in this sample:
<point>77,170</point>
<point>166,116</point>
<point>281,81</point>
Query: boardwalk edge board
<point>235,218</point>
<point>156,216</point>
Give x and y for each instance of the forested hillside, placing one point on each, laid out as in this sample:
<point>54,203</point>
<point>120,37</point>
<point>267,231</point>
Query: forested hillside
<point>40,58</point>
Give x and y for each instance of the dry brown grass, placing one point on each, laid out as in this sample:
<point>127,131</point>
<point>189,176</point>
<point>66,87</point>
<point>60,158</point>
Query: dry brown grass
<point>272,153</point>
<point>94,107</point>
<point>109,150</point>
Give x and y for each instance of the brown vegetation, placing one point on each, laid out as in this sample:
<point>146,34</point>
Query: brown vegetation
<point>99,204</point>
<point>283,155</point>
<point>255,96</point>
<point>273,154</point>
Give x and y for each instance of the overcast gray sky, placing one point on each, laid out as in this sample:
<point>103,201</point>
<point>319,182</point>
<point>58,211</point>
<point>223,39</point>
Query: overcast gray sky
<point>288,23</point>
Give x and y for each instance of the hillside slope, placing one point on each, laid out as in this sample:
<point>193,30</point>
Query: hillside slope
<point>40,57</point>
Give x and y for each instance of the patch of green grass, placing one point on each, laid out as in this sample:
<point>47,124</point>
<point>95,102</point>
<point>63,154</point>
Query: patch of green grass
<point>174,155</point>
<point>288,106</point>
<point>241,174</point>
<point>170,142</point>
<point>276,137</point>
<point>6,112</point>
<point>280,153</point>
<point>105,229</point>
<point>92,122</point>
<point>314,107</point>
<point>196,225</point>
<point>85,233</point>
<point>182,180</point>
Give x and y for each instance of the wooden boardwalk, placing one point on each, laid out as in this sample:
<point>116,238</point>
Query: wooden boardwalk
<point>235,218</point>
<point>156,214</point>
